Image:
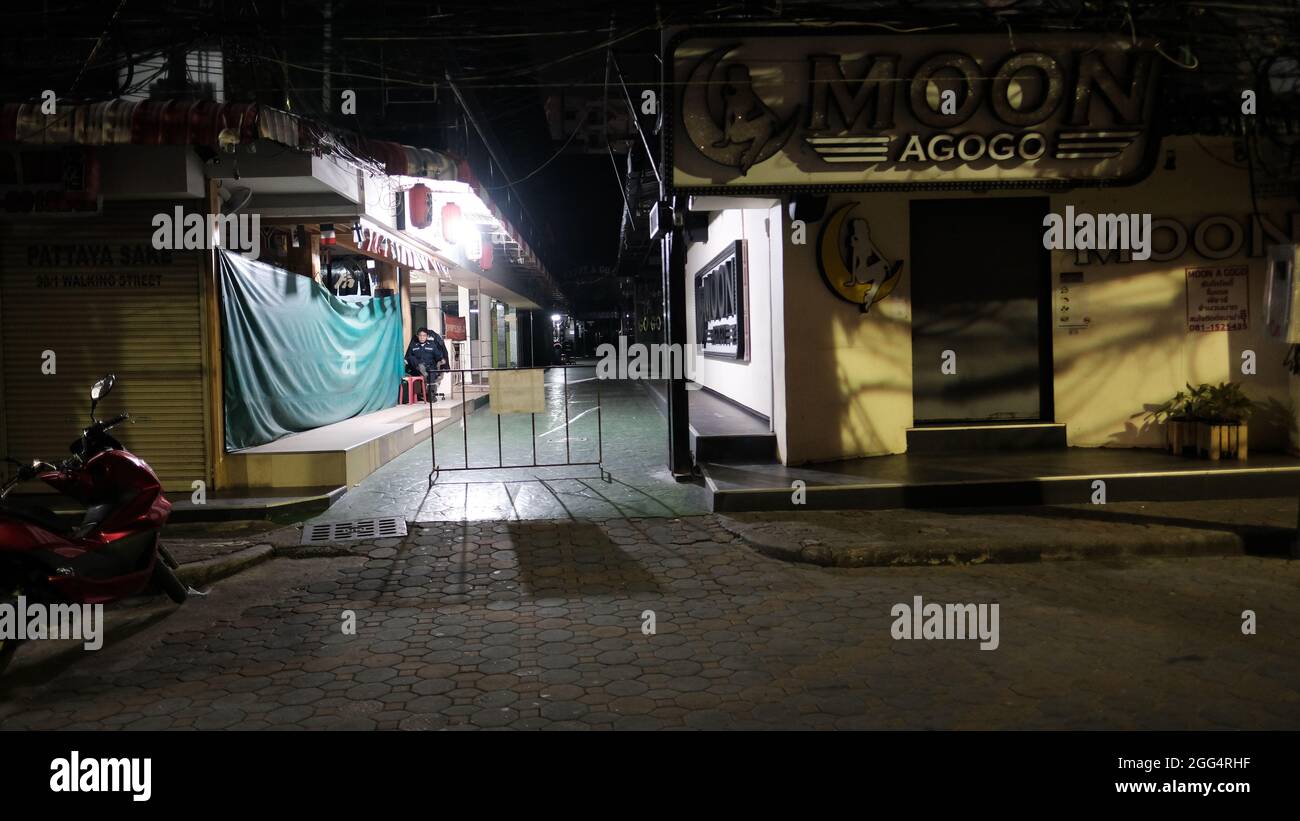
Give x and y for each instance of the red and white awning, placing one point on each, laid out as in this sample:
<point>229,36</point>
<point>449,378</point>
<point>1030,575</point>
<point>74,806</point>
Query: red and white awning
<point>380,242</point>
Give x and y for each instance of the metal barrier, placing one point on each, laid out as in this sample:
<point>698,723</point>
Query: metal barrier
<point>466,411</point>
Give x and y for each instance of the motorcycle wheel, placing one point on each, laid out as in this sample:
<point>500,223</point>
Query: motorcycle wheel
<point>165,580</point>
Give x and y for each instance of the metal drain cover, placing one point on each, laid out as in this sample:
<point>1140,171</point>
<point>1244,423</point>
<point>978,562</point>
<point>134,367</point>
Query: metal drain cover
<point>322,532</point>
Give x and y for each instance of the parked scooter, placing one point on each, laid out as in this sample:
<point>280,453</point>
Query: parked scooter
<point>113,553</point>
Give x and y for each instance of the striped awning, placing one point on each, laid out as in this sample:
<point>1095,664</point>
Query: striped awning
<point>382,243</point>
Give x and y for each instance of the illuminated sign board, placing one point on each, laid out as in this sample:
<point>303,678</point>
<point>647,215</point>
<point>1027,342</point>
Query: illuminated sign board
<point>838,110</point>
<point>721,324</point>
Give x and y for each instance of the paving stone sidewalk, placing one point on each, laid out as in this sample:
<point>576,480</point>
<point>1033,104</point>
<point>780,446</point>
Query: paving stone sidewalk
<point>903,537</point>
<point>530,625</point>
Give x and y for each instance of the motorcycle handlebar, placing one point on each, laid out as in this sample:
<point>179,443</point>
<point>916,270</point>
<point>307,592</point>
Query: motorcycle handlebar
<point>115,421</point>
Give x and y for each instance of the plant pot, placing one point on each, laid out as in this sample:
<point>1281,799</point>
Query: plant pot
<point>1217,439</point>
<point>1180,435</point>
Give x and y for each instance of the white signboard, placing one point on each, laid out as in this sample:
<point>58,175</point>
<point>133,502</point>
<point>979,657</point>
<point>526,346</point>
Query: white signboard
<point>1218,298</point>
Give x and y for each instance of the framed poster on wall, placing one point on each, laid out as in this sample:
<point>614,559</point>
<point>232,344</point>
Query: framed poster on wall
<point>722,304</point>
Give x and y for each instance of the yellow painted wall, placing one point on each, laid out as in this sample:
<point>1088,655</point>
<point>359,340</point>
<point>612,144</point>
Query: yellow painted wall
<point>1138,352</point>
<point>848,376</point>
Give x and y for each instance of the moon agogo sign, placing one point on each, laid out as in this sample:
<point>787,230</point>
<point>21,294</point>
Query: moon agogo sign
<point>851,264</point>
<point>844,110</point>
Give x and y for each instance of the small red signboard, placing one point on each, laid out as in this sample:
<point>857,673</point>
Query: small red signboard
<point>455,328</point>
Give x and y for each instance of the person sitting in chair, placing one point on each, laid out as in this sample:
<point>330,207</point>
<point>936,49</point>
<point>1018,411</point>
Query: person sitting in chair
<point>427,353</point>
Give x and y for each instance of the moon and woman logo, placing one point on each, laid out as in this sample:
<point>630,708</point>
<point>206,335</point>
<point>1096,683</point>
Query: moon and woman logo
<point>851,263</point>
<point>726,119</point>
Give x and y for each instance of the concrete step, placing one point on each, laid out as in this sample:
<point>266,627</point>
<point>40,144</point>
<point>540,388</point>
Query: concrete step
<point>733,447</point>
<point>345,452</point>
<point>996,437</point>
<point>977,479</point>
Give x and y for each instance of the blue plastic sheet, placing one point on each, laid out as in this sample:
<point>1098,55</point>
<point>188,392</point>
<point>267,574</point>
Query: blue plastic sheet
<point>297,357</point>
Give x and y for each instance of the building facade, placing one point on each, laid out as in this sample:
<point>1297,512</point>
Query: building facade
<point>876,262</point>
<point>86,288</point>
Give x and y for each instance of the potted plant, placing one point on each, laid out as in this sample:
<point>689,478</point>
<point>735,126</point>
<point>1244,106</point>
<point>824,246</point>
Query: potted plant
<point>1177,417</point>
<point>1206,419</point>
<point>1221,421</point>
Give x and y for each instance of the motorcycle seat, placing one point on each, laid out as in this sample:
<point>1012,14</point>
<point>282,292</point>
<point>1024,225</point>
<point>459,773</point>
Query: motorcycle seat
<point>38,515</point>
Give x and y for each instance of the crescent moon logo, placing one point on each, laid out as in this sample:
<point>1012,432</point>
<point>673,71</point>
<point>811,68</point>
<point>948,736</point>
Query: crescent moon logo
<point>852,266</point>
<point>726,120</point>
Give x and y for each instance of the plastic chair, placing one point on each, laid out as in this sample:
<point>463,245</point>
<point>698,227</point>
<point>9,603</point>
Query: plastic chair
<point>407,390</point>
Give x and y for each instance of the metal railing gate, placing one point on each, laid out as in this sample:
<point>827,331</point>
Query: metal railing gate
<point>466,411</point>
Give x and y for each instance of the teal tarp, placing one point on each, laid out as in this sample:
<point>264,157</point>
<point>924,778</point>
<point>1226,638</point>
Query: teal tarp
<point>298,357</point>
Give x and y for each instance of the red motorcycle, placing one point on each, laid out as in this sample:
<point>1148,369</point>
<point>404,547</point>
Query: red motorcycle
<point>113,553</point>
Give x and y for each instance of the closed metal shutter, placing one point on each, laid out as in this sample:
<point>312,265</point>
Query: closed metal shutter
<point>95,293</point>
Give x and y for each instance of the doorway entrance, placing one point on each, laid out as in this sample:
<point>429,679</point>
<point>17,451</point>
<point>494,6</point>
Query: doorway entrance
<point>981,317</point>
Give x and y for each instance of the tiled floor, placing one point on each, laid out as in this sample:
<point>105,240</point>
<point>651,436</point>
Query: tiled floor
<point>632,448</point>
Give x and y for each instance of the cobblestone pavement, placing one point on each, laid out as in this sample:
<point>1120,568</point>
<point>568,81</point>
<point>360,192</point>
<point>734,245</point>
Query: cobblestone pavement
<point>539,625</point>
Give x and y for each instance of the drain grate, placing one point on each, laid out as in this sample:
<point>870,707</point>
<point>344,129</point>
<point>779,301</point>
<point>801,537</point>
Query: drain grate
<point>322,532</point>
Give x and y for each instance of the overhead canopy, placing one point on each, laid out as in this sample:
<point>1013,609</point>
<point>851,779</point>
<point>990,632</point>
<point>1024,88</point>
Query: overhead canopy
<point>380,243</point>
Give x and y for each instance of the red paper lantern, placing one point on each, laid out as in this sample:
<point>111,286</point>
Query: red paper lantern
<point>421,206</point>
<point>451,222</point>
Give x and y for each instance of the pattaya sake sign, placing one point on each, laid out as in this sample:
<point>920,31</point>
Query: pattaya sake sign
<point>758,112</point>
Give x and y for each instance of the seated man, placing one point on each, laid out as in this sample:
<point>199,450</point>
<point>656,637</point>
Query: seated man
<point>427,353</point>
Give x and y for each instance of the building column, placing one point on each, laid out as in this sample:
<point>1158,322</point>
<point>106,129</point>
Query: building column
<point>462,305</point>
<point>673,258</point>
<point>433,304</point>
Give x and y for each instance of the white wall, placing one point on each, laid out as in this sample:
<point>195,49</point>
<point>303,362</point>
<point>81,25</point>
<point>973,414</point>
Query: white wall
<point>746,382</point>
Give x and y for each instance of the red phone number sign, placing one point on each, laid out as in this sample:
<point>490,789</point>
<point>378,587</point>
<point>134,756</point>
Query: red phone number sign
<point>1218,298</point>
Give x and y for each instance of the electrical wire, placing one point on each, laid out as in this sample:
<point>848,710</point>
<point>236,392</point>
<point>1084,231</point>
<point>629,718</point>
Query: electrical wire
<point>539,168</point>
<point>98,43</point>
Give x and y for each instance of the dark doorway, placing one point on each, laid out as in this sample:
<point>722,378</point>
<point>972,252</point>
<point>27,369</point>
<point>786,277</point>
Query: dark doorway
<point>981,289</point>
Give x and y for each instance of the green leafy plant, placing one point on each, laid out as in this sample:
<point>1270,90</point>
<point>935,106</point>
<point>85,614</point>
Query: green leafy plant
<point>1224,403</point>
<point>1177,409</point>
<point>1200,401</point>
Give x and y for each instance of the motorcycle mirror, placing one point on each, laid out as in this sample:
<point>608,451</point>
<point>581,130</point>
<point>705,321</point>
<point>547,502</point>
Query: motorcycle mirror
<point>102,387</point>
<point>99,390</point>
